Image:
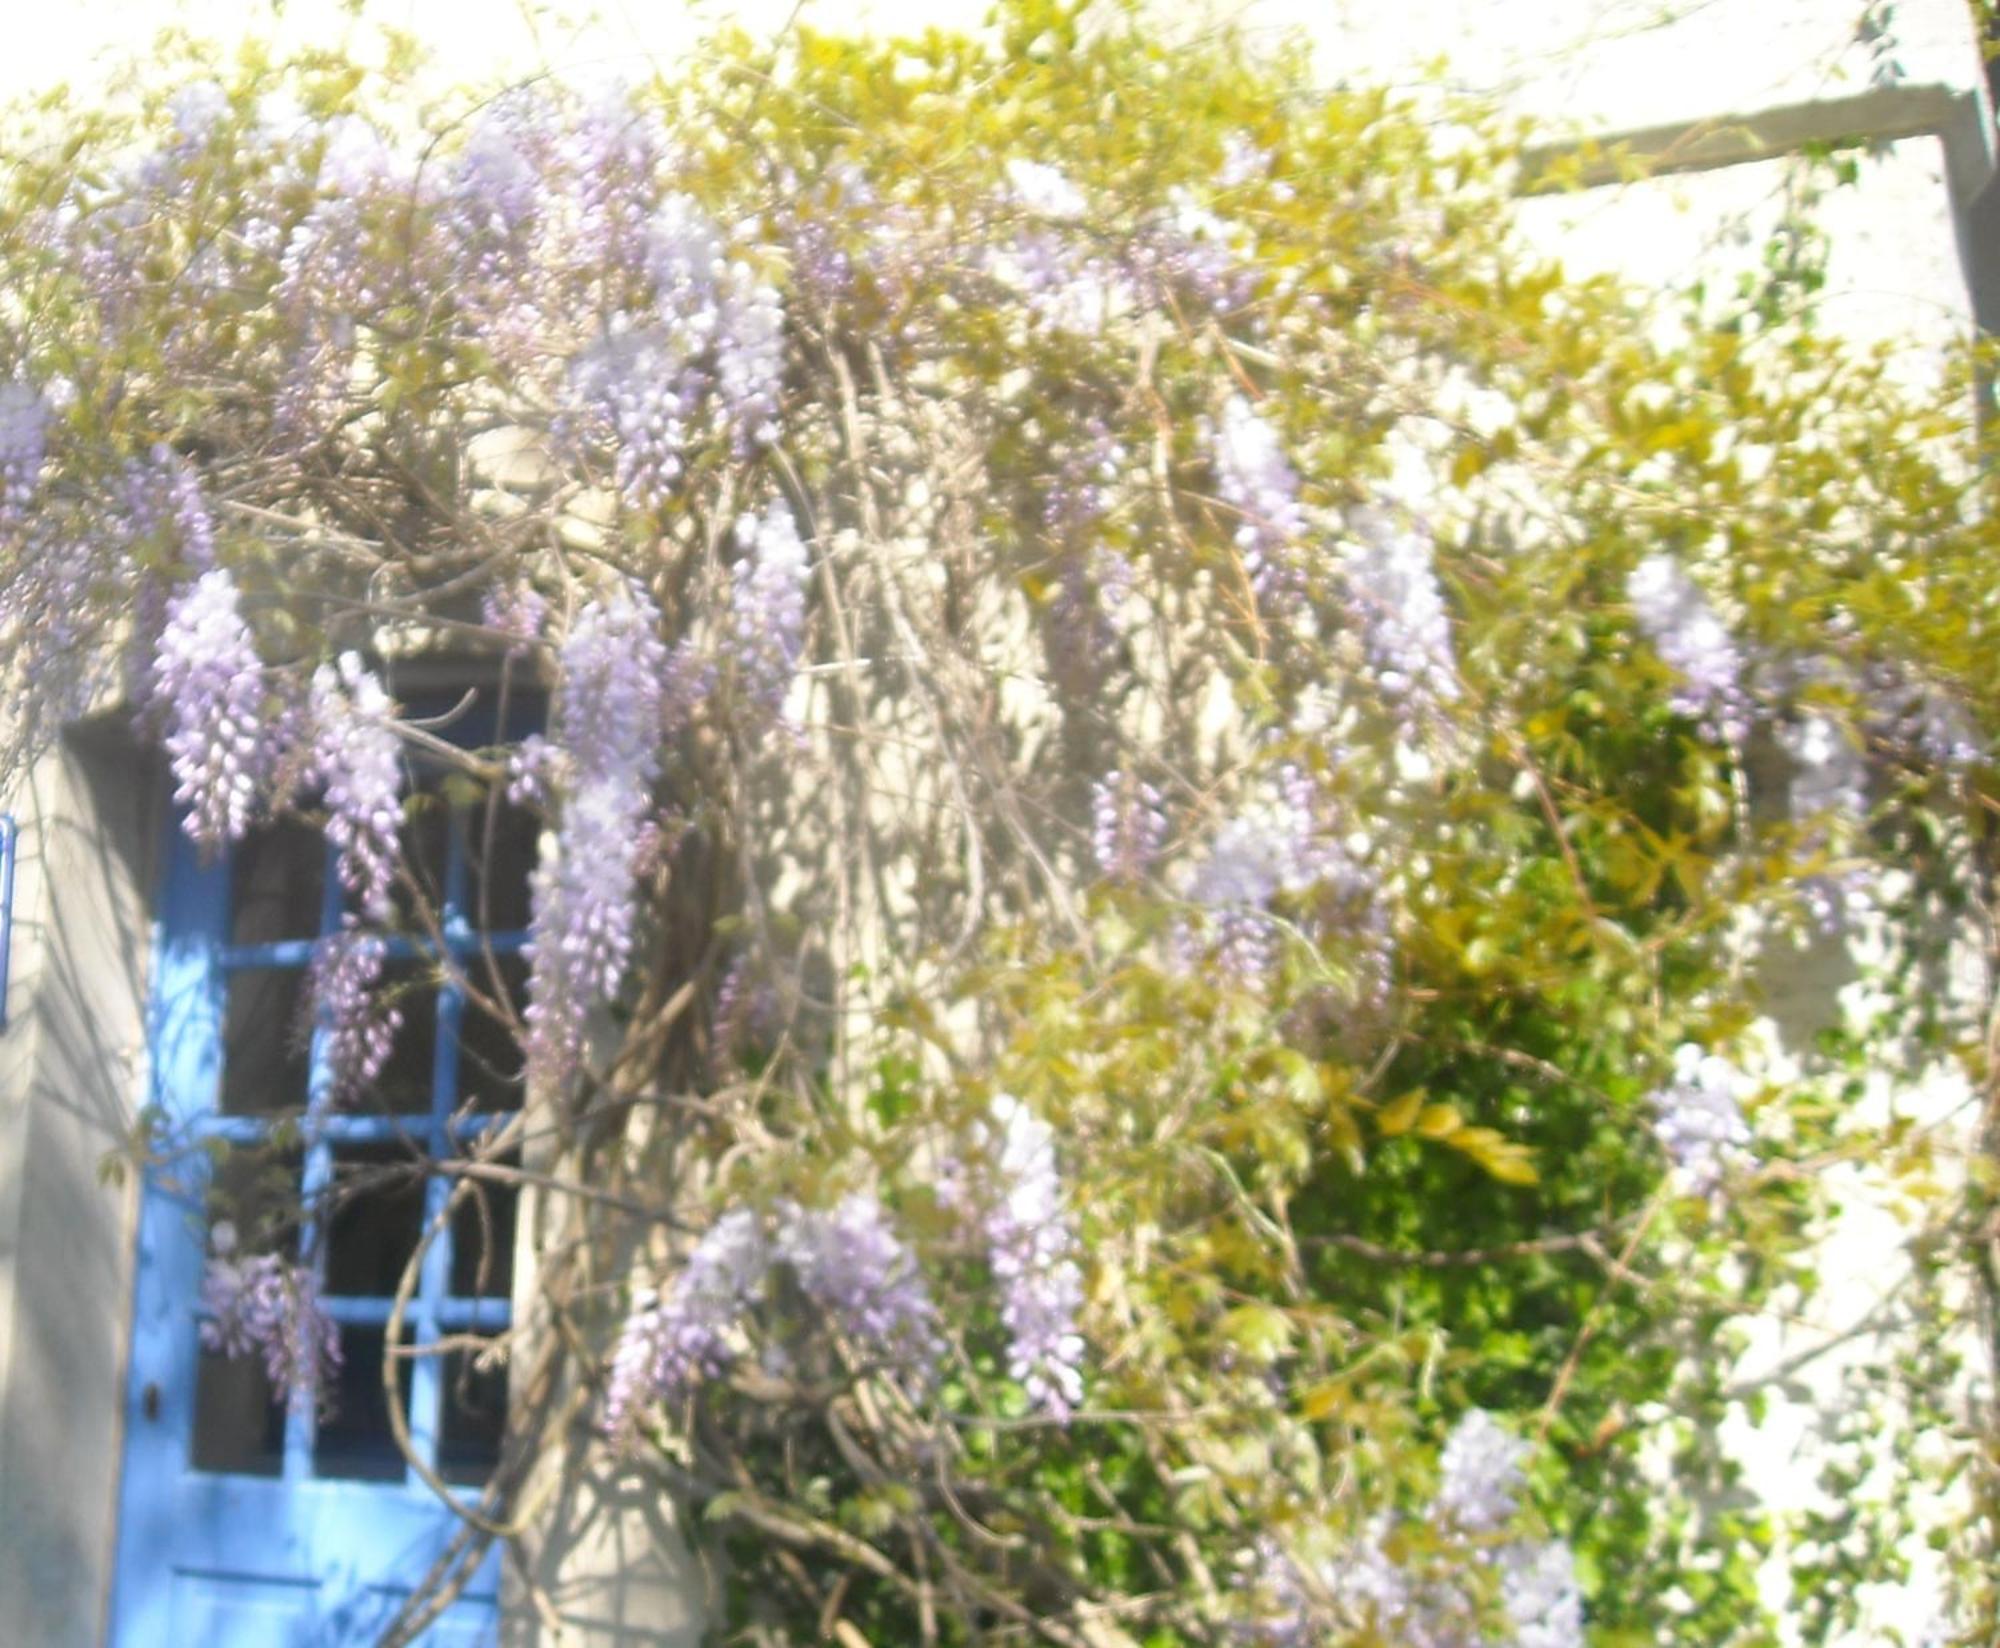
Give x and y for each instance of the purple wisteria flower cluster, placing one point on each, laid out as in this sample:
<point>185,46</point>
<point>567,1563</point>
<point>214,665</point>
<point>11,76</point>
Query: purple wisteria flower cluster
<point>845,1259</point>
<point>1699,1117</point>
<point>1128,826</point>
<point>357,758</point>
<point>1692,642</point>
<point>711,325</point>
<point>1258,484</point>
<point>607,728</point>
<point>1032,1247</point>
<point>1480,1479</point>
<point>358,1025</point>
<point>207,675</point>
<point>24,433</point>
<point>262,1306</point>
<point>1366,1587</point>
<point>767,609</point>
<point>1399,607</point>
<point>673,1342</point>
<point>1284,843</point>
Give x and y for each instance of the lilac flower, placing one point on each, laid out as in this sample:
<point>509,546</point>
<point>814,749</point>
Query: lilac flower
<point>767,616</point>
<point>1928,720</point>
<point>1257,482</point>
<point>851,1264</point>
<point>1393,589</point>
<point>1700,1117</point>
<point>638,391</point>
<point>1482,1478</point>
<point>207,675</point>
<point>515,610</point>
<point>1693,643</point>
<point>1081,492</point>
<point>24,424</point>
<point>748,1012</point>
<point>607,725</point>
<point>267,1307</point>
<point>1082,636</point>
<point>358,758</point>
<point>749,359</point>
<point>685,262</point>
<point>672,1343</point>
<point>359,1027</point>
<point>192,521</point>
<point>1277,844</point>
<point>196,109</point>
<point>1032,1246</point>
<point>1286,1615</point>
<point>1128,826</point>
<point>1539,1595</point>
<point>1067,291</point>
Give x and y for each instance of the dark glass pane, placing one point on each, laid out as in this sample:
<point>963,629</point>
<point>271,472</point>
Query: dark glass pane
<point>426,837</point>
<point>475,1415</point>
<point>409,1075</point>
<point>353,1439</point>
<point>482,1240</point>
<point>491,1066</point>
<point>255,1191</point>
<point>265,1041</point>
<point>275,879</point>
<point>237,1425</point>
<point>501,842</point>
<point>375,1214</point>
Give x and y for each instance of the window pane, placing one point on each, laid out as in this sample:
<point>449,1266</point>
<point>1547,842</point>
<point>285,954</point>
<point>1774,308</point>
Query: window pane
<point>497,893</point>
<point>405,1084</point>
<point>491,1066</point>
<point>275,878</point>
<point>255,1189</point>
<point>237,1425</point>
<point>376,1213</point>
<point>474,1417</point>
<point>353,1439</point>
<point>266,1046</point>
<point>426,837</point>
<point>482,1239</point>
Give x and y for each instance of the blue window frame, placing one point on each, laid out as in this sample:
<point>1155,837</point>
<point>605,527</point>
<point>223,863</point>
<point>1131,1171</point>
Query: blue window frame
<point>243,1522</point>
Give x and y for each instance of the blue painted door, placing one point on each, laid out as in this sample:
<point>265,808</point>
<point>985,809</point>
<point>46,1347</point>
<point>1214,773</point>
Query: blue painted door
<point>243,1521</point>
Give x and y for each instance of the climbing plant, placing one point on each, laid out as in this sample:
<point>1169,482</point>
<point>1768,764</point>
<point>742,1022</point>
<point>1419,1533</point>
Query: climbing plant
<point>1173,780</point>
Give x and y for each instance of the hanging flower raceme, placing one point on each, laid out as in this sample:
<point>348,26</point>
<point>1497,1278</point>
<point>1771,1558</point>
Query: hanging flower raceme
<point>262,1306</point>
<point>1256,480</point>
<point>673,1342</point>
<point>1406,631</point>
<point>1693,643</point>
<point>357,757</point>
<point>1481,1476</point>
<point>767,615</point>
<point>358,1025</point>
<point>24,424</point>
<point>608,729</point>
<point>1032,1247</point>
<point>1128,826</point>
<point>207,675</point>
<point>854,1267</point>
<point>1699,1116</point>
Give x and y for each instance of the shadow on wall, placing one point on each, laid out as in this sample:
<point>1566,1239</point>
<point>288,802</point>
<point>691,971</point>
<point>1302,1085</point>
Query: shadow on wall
<point>91,819</point>
<point>614,1572</point>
